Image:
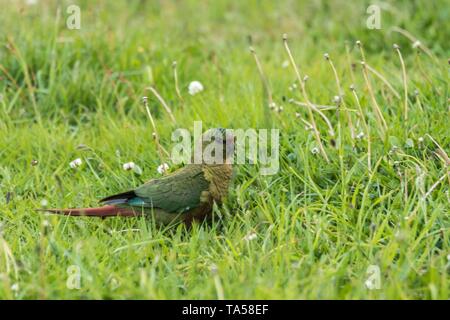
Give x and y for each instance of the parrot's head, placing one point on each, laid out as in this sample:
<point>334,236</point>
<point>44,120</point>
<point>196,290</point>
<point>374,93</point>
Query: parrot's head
<point>219,139</point>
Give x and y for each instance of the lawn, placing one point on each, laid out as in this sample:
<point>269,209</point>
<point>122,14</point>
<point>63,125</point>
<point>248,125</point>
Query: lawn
<point>359,208</point>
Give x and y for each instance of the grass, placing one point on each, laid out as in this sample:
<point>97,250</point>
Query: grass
<point>382,198</point>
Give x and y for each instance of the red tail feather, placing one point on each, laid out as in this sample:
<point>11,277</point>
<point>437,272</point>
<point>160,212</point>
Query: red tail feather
<point>105,211</point>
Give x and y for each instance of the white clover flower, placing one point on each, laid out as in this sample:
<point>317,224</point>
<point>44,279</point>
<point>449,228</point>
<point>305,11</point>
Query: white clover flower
<point>128,166</point>
<point>75,163</point>
<point>132,166</point>
<point>285,64</point>
<point>416,44</point>
<point>162,168</point>
<point>44,202</point>
<point>360,135</point>
<point>337,99</point>
<point>15,287</point>
<point>315,150</point>
<point>250,237</point>
<point>420,139</point>
<point>195,87</point>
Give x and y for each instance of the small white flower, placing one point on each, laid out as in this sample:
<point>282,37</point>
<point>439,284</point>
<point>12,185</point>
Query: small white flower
<point>31,2</point>
<point>46,223</point>
<point>337,100</point>
<point>44,202</point>
<point>272,105</point>
<point>285,64</point>
<point>420,139</point>
<point>75,163</point>
<point>416,44</point>
<point>162,168</point>
<point>195,87</point>
<point>128,166</point>
<point>360,135</point>
<point>448,257</point>
<point>15,287</point>
<point>315,150</point>
<point>251,236</point>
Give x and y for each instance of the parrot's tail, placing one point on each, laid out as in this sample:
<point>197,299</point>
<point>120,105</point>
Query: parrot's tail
<point>105,211</point>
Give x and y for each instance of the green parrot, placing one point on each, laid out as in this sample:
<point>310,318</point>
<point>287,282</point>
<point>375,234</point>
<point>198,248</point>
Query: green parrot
<point>185,195</point>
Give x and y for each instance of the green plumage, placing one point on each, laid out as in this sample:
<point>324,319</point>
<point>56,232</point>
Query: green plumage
<point>176,193</point>
<point>185,195</point>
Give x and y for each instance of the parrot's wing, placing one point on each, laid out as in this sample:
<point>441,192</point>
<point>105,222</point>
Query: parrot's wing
<point>177,192</point>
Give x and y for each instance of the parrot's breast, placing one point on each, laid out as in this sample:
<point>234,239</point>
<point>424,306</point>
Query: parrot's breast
<point>219,178</point>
